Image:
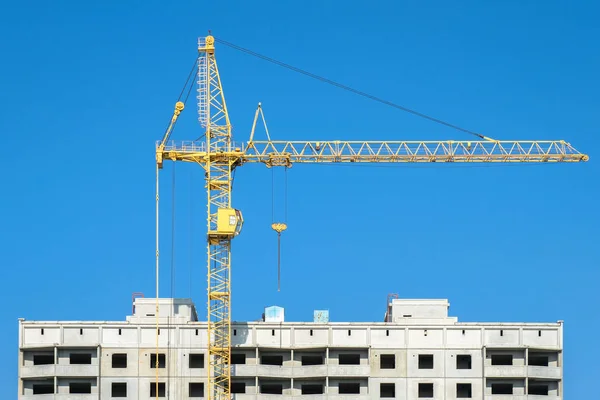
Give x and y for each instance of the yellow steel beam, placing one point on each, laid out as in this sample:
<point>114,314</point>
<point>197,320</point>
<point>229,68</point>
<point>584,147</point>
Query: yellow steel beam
<point>274,153</point>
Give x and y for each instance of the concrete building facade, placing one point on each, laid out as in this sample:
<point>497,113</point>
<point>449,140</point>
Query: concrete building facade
<point>420,353</point>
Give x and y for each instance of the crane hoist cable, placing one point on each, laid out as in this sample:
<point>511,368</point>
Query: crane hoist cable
<point>350,89</point>
<point>279,227</point>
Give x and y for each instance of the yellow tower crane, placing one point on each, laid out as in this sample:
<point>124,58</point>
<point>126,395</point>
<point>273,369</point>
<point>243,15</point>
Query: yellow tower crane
<point>219,156</point>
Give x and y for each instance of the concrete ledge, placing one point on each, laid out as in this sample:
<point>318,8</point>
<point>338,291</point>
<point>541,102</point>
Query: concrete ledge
<point>348,370</point>
<point>501,371</point>
<point>544,373</point>
<point>38,371</point>
<point>77,370</point>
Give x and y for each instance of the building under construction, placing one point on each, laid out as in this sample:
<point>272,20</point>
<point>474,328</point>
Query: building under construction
<point>417,352</point>
<point>162,350</point>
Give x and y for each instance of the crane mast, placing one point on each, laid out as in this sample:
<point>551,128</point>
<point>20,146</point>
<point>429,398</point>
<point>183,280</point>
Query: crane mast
<point>213,116</point>
<point>219,157</point>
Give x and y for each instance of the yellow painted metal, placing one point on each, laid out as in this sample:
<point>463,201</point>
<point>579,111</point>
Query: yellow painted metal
<point>278,227</point>
<point>284,153</point>
<point>229,222</point>
<point>219,156</point>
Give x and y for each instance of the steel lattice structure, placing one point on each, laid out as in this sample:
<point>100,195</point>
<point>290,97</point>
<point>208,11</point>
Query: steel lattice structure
<point>219,156</point>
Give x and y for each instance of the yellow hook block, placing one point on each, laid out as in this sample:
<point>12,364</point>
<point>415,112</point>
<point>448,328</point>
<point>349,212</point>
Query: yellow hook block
<point>279,227</point>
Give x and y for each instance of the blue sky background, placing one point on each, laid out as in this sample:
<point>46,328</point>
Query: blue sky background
<point>88,87</point>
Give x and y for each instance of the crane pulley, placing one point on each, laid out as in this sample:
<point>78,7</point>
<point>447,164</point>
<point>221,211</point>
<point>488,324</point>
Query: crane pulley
<point>219,156</point>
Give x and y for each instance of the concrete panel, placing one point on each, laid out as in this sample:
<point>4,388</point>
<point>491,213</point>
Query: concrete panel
<point>191,337</point>
<point>303,337</point>
<point>399,384</point>
<point>41,335</point>
<point>107,358</point>
<point>502,371</point>
<point>77,370</point>
<point>501,337</point>
<point>452,371</point>
<point>425,338</point>
<point>541,338</point>
<point>400,363</point>
<point>352,337</point>
<point>413,364</point>
<point>126,336</point>
<point>466,338</point>
<point>132,387</point>
<point>349,370</point>
<point>451,387</point>
<point>38,371</point>
<point>310,371</point>
<point>148,336</point>
<point>81,336</point>
<point>387,337</point>
<point>544,372</point>
<point>273,337</point>
<point>241,336</point>
<point>412,386</point>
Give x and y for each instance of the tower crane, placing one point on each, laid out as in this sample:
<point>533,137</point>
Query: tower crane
<point>219,156</point>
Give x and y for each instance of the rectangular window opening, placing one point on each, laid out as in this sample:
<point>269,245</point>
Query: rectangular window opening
<point>119,389</point>
<point>268,359</point>
<point>538,360</point>
<point>196,332</point>
<point>81,331</point>
<point>463,361</point>
<point>539,390</point>
<point>387,332</point>
<point>119,331</point>
<point>387,361</point>
<point>501,332</point>
<point>196,360</point>
<point>464,391</point>
<point>272,332</point>
<point>348,388</point>
<point>539,333</point>
<point>238,387</point>
<point>349,359</point>
<point>235,332</point>
<point>387,390</point>
<point>425,361</point>
<point>80,387</point>
<point>42,331</point>
<point>425,332</point>
<point>238,358</point>
<point>43,359</point>
<point>43,388</point>
<point>80,358</point>
<point>271,388</point>
<point>425,390</point>
<point>463,331</point>
<point>311,332</point>
<point>312,360</point>
<point>349,332</point>
<point>502,359</point>
<point>161,389</point>
<point>502,388</point>
<point>310,388</point>
<point>162,360</point>
<point>119,360</point>
<point>196,389</point>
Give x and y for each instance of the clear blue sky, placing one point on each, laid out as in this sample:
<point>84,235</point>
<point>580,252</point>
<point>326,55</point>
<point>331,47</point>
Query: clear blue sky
<point>88,87</point>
